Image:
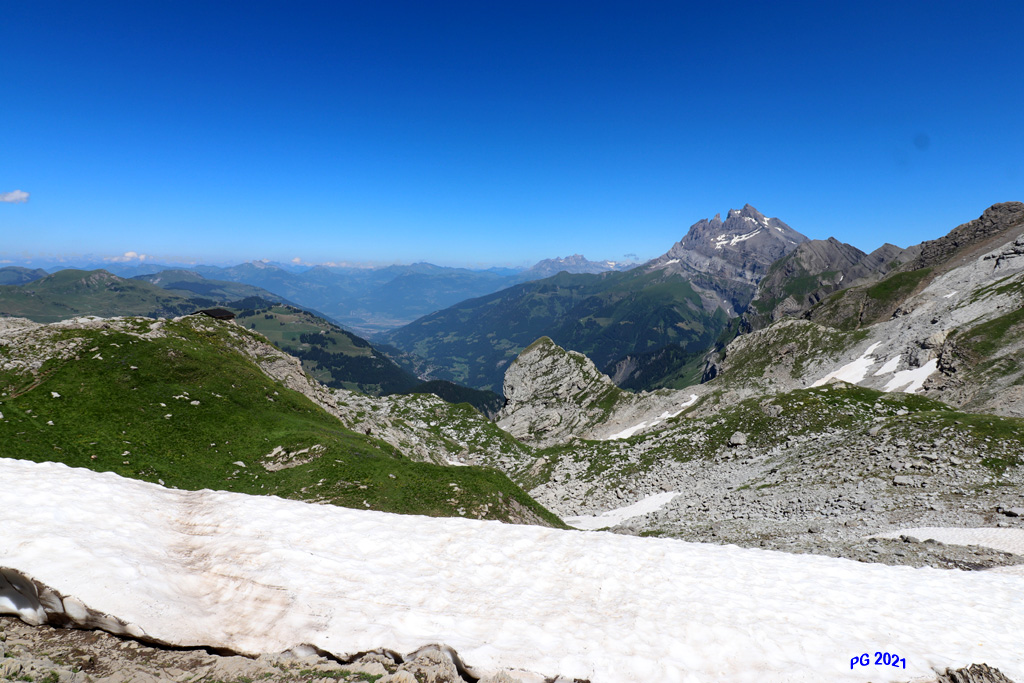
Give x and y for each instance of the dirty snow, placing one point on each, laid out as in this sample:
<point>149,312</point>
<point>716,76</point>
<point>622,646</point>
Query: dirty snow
<point>854,371</point>
<point>263,574</point>
<point>651,503</point>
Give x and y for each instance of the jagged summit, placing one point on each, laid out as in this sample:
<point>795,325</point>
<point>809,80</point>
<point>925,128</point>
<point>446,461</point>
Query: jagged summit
<point>739,248</point>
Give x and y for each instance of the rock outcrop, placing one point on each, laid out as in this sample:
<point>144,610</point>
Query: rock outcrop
<point>554,396</point>
<point>975,673</point>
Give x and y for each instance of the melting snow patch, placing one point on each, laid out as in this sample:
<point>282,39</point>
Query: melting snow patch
<point>890,366</point>
<point>950,294</point>
<point>668,263</point>
<point>651,503</point>
<point>262,574</point>
<point>630,431</point>
<point>627,432</point>
<point>854,371</point>
<point>911,381</point>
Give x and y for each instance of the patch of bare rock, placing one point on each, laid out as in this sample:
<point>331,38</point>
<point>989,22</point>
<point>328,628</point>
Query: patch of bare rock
<point>44,654</point>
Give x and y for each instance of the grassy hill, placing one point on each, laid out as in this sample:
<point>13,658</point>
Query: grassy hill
<point>15,275</point>
<point>189,284</point>
<point>179,403</point>
<point>71,293</point>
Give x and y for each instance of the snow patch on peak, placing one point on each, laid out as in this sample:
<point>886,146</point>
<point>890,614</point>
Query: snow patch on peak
<point>723,240</point>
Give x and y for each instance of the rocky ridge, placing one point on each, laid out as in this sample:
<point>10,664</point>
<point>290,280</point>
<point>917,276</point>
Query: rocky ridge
<point>816,268</point>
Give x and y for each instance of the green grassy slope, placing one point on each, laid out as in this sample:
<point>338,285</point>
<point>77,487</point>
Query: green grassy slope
<point>187,408</point>
<point>335,357</point>
<point>15,275</point>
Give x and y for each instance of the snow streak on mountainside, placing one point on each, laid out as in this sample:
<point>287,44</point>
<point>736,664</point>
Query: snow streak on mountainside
<point>260,574</point>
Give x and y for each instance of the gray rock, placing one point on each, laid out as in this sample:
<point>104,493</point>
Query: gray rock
<point>975,673</point>
<point>738,439</point>
<point>500,677</point>
<point>903,481</point>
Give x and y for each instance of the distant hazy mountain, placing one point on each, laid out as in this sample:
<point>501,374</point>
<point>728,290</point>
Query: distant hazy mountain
<point>190,283</point>
<point>366,300</point>
<point>70,293</point>
<point>16,275</point>
<point>373,300</point>
<point>570,264</point>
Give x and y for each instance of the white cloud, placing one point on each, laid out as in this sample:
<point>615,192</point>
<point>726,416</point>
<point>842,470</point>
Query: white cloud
<point>16,197</point>
<point>297,260</point>
<point>125,257</point>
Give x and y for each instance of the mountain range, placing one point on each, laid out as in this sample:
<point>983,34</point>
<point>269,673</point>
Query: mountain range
<point>868,407</point>
<point>642,325</point>
<point>364,300</point>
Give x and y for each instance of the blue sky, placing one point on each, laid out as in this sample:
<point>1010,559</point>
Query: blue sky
<point>483,133</point>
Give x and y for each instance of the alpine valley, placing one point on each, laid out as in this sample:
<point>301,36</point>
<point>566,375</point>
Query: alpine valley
<point>750,387</point>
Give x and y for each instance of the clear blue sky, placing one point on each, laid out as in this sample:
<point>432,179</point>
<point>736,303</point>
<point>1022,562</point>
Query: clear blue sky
<point>497,132</point>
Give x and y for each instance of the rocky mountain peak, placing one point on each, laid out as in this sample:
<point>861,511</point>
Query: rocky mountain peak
<point>739,248</point>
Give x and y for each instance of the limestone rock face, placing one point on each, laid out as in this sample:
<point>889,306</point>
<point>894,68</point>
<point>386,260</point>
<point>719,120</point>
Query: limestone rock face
<point>553,396</point>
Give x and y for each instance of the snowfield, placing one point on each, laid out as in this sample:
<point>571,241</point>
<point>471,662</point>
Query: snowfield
<point>262,574</point>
